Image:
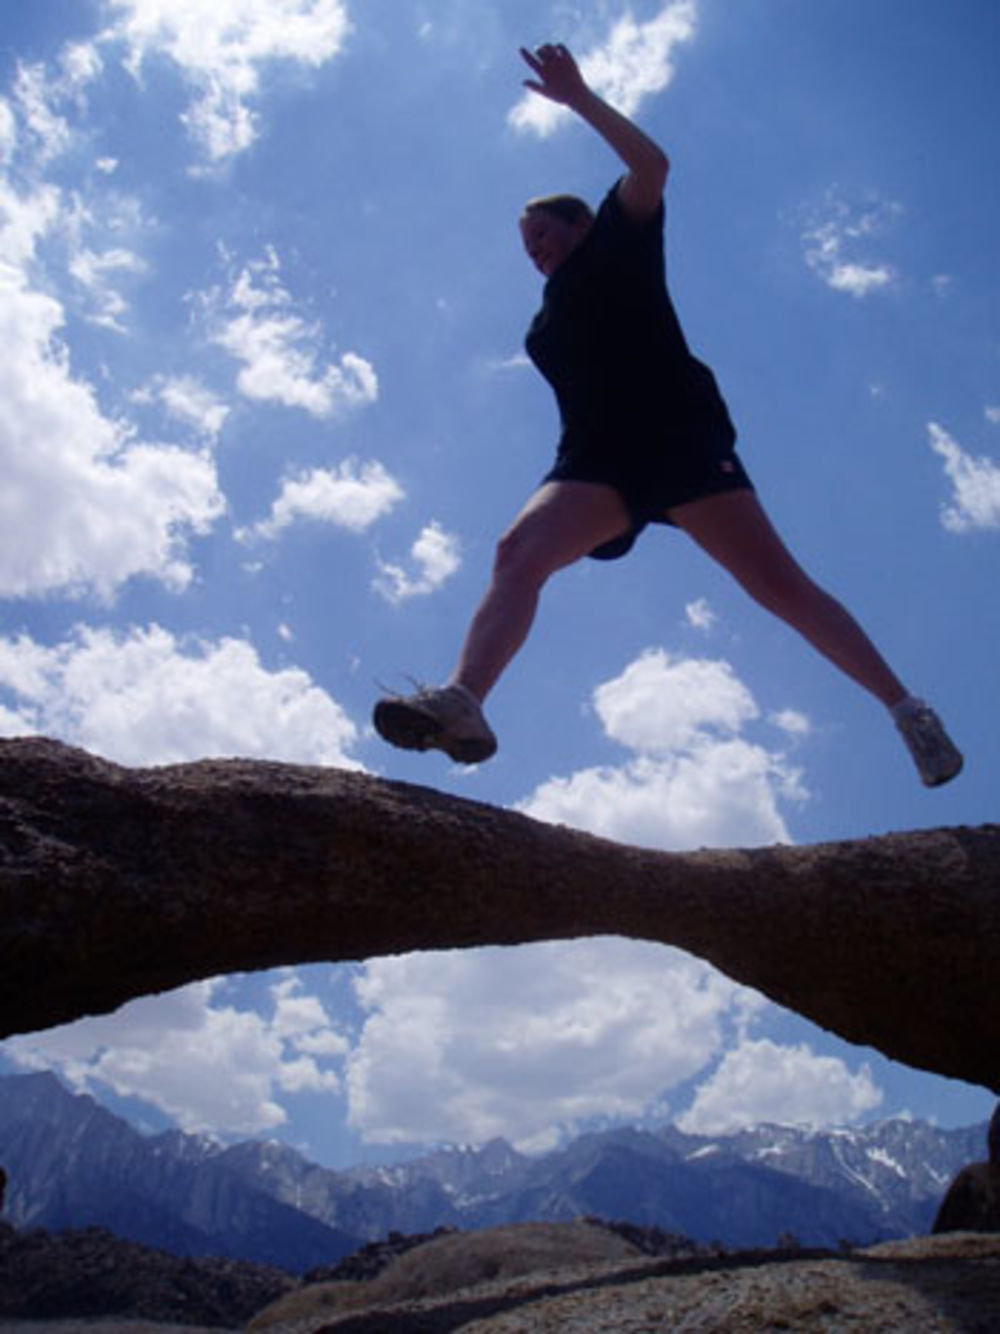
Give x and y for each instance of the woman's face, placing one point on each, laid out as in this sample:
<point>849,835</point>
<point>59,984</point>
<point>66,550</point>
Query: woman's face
<point>548,239</point>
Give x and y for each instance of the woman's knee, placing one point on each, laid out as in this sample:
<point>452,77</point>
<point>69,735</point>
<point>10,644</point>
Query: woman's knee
<point>527,553</point>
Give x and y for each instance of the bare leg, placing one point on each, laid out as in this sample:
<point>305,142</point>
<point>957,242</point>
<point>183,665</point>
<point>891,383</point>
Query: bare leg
<point>562,522</point>
<point>735,531</point>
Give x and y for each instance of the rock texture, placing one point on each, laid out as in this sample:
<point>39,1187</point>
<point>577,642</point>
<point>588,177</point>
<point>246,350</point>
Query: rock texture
<point>932,1285</point>
<point>115,883</point>
<point>972,1202</point>
<point>90,1273</point>
<point>455,1263</point>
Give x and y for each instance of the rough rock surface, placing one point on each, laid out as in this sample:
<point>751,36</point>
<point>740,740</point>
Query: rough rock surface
<point>453,1263</point>
<point>972,1202</point>
<point>115,883</point>
<point>91,1273</point>
<point>944,1285</point>
<point>937,1285</point>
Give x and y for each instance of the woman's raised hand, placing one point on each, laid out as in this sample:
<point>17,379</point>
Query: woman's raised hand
<point>557,75</point>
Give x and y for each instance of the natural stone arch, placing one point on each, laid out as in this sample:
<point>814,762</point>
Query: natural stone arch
<point>117,882</point>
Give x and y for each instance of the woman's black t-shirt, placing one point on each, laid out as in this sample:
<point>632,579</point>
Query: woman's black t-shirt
<point>609,343</point>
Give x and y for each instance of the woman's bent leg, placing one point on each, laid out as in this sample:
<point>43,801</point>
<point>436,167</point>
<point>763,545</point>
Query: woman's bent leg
<point>735,531</point>
<point>562,522</point>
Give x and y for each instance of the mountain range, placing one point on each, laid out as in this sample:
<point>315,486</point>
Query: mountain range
<point>72,1163</point>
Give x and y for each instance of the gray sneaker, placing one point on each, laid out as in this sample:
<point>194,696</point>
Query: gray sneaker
<point>934,753</point>
<point>444,718</point>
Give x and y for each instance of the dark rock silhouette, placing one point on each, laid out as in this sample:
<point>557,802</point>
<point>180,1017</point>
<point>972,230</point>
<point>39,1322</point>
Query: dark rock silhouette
<point>115,883</point>
<point>972,1202</point>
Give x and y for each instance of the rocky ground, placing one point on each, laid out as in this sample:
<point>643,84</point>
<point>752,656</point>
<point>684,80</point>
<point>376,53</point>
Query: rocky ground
<point>576,1278</point>
<point>91,1273</point>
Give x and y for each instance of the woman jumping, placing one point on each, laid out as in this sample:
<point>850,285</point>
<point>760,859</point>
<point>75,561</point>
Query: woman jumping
<point>646,438</point>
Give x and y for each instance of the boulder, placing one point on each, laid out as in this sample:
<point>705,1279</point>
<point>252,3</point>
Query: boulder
<point>972,1201</point>
<point>117,882</point>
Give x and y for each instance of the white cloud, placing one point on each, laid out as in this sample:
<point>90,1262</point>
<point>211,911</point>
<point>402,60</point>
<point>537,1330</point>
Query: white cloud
<point>143,697</point>
<point>975,499</point>
<point>209,1065</point>
<point>858,279</point>
<point>661,703</point>
<point>221,47</point>
<point>8,131</point>
<point>81,64</point>
<point>40,96</point>
<point>723,794</point>
<point>761,1081</point>
<point>351,496</point>
<point>529,1043</point>
<point>36,97</point>
<point>187,400</point>
<point>992,413</point>
<point>635,62</point>
<point>791,721</point>
<point>280,350</point>
<point>841,228</point>
<point>692,780</point>
<point>700,615</point>
<point>85,506</point>
<point>437,556</point>
<point>93,272</point>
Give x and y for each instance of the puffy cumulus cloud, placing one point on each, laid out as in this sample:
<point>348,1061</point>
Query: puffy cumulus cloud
<point>634,62</point>
<point>279,350</point>
<point>975,482</point>
<point>837,232</point>
<point>693,780</point>
<point>85,506</point>
<point>436,555</point>
<point>221,47</point>
<point>661,703</point>
<point>208,1065</point>
<point>142,697</point>
<point>530,1043</point>
<point>725,795</point>
<point>761,1081</point>
<point>351,496</point>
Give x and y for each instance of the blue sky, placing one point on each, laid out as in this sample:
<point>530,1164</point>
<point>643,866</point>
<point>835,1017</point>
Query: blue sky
<point>266,409</point>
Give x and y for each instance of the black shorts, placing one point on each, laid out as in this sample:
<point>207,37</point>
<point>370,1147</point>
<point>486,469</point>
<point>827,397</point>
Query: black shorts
<point>657,480</point>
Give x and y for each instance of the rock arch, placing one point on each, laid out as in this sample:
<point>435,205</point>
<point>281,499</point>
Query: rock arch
<point>117,882</point>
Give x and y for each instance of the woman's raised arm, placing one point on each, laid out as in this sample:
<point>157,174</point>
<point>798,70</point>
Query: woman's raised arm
<point>558,77</point>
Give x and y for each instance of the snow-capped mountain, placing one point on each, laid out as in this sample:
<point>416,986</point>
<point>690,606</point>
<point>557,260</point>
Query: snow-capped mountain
<point>72,1163</point>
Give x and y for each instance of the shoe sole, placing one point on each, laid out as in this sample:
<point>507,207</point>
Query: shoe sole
<point>940,780</point>
<point>408,728</point>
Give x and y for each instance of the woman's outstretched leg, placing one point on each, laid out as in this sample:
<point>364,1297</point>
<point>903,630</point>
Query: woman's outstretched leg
<point>735,531</point>
<point>562,522</point>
